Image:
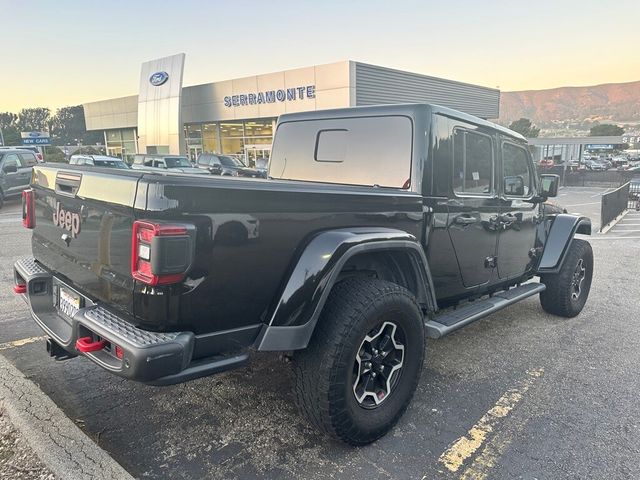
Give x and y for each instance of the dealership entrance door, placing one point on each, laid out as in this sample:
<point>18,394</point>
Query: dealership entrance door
<point>257,153</point>
<point>194,152</point>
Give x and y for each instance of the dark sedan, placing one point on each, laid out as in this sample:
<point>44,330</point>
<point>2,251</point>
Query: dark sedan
<point>226,165</point>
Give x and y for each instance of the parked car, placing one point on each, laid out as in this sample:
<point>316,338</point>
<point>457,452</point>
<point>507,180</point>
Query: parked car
<point>165,163</point>
<point>34,150</point>
<point>16,165</point>
<point>360,254</point>
<point>595,166</point>
<point>227,165</point>
<point>98,161</point>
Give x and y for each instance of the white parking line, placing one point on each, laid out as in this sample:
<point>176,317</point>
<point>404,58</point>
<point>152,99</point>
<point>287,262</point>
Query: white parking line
<point>581,204</point>
<point>607,237</point>
<point>603,193</point>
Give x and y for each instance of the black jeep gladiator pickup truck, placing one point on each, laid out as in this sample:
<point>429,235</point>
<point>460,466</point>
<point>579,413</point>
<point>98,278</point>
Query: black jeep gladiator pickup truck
<point>377,227</point>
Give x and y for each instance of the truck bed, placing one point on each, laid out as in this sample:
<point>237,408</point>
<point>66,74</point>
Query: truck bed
<point>249,233</point>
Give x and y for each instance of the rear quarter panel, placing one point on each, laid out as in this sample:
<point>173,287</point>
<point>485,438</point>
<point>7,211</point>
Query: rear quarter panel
<point>250,233</point>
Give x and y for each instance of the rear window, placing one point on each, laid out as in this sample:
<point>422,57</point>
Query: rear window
<point>355,151</point>
<point>110,164</point>
<point>177,162</point>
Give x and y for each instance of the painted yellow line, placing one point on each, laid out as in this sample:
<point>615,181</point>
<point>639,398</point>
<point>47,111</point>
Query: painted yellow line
<point>484,462</point>
<point>19,343</point>
<point>466,446</point>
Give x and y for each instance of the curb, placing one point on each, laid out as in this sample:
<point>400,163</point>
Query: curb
<point>613,223</point>
<point>63,448</point>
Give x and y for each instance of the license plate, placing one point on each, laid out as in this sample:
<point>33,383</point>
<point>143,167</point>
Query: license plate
<point>68,302</point>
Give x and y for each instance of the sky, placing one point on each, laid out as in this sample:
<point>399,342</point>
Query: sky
<point>63,52</point>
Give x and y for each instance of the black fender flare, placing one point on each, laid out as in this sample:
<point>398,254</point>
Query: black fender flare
<point>561,233</point>
<point>293,320</point>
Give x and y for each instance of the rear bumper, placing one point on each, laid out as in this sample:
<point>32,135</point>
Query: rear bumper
<point>150,357</point>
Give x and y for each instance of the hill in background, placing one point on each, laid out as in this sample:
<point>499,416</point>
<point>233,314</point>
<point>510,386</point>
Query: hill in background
<point>573,110</point>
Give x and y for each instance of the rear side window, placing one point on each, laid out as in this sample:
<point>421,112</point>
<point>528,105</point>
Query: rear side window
<point>472,163</point>
<point>28,159</point>
<point>356,151</point>
<point>516,171</point>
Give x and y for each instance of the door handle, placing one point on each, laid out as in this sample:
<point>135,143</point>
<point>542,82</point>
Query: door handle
<point>465,220</point>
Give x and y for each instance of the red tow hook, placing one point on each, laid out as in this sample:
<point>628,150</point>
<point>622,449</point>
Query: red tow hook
<point>86,344</point>
<point>22,288</point>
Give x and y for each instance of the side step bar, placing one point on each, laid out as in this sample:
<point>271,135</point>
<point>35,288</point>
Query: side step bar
<point>448,322</point>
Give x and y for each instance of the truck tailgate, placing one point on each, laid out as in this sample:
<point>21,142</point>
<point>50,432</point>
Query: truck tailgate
<point>83,229</point>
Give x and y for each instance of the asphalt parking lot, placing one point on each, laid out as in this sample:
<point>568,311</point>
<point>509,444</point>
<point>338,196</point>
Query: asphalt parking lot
<point>520,394</point>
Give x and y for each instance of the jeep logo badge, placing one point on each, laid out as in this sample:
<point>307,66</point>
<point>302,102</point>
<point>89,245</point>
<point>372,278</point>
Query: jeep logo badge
<point>70,221</point>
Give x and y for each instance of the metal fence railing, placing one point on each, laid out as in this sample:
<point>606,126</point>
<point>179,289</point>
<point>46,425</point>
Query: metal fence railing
<point>634,195</point>
<point>589,178</point>
<point>613,204</point>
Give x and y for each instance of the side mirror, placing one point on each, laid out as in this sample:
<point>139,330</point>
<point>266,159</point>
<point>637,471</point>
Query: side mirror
<point>10,169</point>
<point>549,185</point>
<point>514,186</point>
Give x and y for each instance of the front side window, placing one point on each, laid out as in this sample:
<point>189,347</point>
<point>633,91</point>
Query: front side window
<point>11,160</point>
<point>231,162</point>
<point>516,173</point>
<point>472,163</point>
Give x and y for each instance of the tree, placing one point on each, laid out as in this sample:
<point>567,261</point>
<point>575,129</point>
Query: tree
<point>525,128</point>
<point>67,125</point>
<point>10,133</point>
<point>54,154</point>
<point>89,151</point>
<point>606,130</point>
<point>33,119</point>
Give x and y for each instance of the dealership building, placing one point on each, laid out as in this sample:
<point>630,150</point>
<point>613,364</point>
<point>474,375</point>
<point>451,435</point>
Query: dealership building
<point>238,116</point>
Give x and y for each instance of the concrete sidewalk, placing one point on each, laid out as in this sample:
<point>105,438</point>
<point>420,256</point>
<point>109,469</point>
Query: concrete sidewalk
<point>62,448</point>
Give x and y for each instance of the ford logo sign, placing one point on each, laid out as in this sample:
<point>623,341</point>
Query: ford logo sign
<point>158,78</point>
<point>34,134</point>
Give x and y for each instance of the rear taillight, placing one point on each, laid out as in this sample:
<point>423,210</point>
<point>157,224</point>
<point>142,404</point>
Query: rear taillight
<point>28,209</point>
<point>161,253</point>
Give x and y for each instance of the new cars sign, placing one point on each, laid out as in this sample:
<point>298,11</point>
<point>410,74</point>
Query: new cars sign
<point>35,138</point>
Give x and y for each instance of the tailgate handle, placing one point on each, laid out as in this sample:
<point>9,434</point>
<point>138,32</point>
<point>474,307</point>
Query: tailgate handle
<point>68,183</point>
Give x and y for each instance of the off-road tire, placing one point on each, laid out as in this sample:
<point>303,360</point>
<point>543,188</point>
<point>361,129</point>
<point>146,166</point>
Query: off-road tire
<point>324,371</point>
<point>559,298</point>
<point>1,199</point>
